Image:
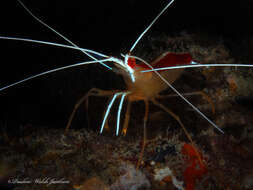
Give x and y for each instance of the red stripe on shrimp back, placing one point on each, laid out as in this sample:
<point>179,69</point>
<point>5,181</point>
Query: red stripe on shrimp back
<point>167,59</point>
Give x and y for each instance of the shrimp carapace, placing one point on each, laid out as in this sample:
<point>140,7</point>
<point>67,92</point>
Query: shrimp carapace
<point>149,85</point>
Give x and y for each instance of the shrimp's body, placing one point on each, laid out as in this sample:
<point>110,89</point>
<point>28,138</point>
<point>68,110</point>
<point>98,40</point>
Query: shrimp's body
<point>145,87</point>
<point>149,85</point>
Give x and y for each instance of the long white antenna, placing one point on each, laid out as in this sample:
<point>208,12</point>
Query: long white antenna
<point>53,70</point>
<point>198,65</point>
<point>54,44</point>
<point>59,34</point>
<point>156,18</point>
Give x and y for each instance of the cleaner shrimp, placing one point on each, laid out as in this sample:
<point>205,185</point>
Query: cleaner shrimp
<point>133,75</point>
<point>135,72</point>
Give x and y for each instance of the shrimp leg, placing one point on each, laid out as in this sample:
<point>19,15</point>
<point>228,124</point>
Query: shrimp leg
<point>92,92</point>
<point>180,123</point>
<point>145,119</point>
<point>127,117</point>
